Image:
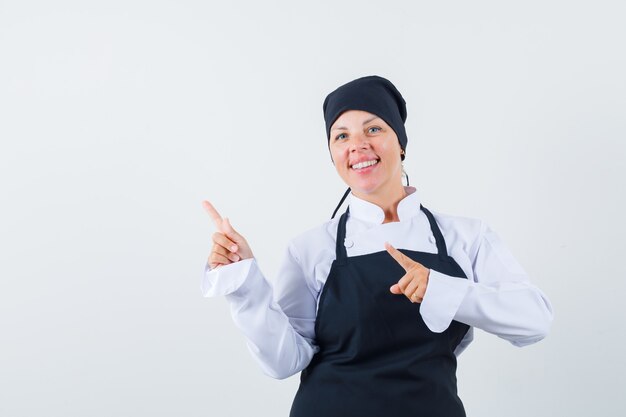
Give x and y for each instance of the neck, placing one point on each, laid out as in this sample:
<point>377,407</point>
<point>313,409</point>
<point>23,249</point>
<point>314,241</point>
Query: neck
<point>387,199</point>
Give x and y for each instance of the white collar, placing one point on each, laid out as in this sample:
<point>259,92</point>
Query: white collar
<point>408,207</point>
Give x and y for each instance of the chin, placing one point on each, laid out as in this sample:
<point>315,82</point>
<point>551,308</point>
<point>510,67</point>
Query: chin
<point>365,189</point>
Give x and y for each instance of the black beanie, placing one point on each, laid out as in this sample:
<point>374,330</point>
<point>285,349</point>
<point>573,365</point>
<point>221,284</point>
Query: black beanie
<point>373,94</point>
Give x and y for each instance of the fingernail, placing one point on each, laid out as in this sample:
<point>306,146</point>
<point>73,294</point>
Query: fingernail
<point>233,248</point>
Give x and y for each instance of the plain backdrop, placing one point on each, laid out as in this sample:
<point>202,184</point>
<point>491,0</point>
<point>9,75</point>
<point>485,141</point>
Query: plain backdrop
<point>117,118</point>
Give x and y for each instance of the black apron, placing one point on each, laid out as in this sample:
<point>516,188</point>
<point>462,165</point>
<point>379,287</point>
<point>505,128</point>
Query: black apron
<point>377,357</point>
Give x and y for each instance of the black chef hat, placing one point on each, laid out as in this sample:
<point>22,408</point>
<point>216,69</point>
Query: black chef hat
<point>373,94</point>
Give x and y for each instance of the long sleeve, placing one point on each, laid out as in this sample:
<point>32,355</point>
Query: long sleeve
<point>270,337</point>
<point>500,300</point>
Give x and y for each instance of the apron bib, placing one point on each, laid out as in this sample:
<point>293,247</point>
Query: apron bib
<point>377,357</point>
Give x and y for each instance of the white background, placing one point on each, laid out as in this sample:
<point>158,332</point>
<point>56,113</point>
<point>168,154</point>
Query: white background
<point>118,117</point>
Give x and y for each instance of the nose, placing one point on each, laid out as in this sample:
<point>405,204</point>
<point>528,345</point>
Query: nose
<point>360,141</point>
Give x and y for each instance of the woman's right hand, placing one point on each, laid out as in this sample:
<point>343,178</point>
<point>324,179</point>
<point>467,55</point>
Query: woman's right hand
<point>228,245</point>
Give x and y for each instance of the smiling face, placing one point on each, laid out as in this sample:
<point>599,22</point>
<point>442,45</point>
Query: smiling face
<point>366,153</point>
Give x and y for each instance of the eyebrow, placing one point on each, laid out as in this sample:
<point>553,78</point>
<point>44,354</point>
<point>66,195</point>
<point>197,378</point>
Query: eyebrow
<point>364,123</point>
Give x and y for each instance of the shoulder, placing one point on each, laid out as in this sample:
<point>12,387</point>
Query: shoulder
<point>455,223</point>
<point>324,233</point>
<point>315,244</point>
<point>467,231</point>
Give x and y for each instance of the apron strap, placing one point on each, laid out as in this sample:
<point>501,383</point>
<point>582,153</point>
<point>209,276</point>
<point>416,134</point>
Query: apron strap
<point>441,243</point>
<point>340,250</point>
<point>340,202</point>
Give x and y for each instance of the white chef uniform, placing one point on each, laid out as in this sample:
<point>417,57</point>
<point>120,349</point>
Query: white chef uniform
<point>278,318</point>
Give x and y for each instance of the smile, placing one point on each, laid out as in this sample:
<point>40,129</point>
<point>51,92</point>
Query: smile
<point>365,164</point>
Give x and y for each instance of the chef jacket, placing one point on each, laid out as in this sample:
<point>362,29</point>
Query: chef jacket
<point>278,318</point>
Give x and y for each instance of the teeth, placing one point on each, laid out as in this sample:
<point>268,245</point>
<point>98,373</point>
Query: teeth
<point>364,164</point>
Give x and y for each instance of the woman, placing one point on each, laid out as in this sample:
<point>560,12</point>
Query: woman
<point>375,330</point>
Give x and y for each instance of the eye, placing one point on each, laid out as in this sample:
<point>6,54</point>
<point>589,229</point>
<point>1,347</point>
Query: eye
<point>340,136</point>
<point>374,127</point>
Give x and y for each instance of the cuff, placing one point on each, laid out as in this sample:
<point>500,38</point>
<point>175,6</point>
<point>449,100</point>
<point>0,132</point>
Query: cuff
<point>442,299</point>
<point>225,279</point>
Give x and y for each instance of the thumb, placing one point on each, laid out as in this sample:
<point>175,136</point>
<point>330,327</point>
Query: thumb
<point>395,289</point>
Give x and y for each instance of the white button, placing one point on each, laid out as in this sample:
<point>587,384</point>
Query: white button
<point>432,239</point>
<point>348,242</point>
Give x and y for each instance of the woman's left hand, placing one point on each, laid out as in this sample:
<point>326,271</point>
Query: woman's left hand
<point>413,284</point>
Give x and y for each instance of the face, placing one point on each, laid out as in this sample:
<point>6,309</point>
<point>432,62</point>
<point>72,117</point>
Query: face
<point>359,137</point>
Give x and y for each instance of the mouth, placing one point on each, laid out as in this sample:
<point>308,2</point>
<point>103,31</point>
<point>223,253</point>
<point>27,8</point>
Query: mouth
<point>365,166</point>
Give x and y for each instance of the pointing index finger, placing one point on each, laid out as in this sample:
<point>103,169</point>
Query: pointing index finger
<point>398,256</point>
<point>217,219</point>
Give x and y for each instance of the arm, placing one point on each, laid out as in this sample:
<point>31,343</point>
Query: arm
<point>273,338</point>
<point>501,299</point>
